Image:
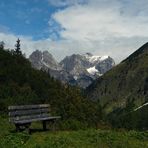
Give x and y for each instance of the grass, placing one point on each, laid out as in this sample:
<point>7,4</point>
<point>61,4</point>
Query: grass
<point>90,138</point>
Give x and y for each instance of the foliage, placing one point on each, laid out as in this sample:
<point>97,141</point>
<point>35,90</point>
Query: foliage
<point>21,84</point>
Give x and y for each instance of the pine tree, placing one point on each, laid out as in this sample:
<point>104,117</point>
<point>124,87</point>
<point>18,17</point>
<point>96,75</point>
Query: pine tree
<point>18,49</point>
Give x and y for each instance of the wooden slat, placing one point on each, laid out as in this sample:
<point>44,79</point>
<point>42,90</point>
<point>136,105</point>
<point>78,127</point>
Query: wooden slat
<point>28,117</point>
<point>37,119</point>
<point>28,112</point>
<point>29,120</point>
<point>25,107</point>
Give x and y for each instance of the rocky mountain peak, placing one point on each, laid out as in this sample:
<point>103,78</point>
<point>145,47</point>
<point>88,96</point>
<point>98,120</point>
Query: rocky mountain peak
<point>85,66</point>
<point>43,60</point>
<point>76,69</point>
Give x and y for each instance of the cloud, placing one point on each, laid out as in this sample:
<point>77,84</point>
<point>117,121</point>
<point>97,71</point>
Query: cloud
<point>116,28</point>
<point>100,22</point>
<point>100,27</point>
<point>59,48</point>
<point>116,48</point>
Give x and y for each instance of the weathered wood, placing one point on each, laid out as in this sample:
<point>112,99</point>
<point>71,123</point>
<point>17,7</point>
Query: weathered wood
<point>24,107</point>
<point>28,117</point>
<point>28,112</point>
<point>22,116</point>
<point>33,120</point>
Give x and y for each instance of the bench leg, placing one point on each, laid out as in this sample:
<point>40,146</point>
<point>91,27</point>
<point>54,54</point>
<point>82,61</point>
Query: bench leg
<point>17,127</point>
<point>27,128</point>
<point>44,126</point>
<point>23,127</point>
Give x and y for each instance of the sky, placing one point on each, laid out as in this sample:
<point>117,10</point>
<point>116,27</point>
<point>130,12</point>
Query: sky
<point>64,27</point>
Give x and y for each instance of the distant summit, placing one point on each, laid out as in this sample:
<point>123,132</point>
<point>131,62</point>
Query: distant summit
<point>76,69</point>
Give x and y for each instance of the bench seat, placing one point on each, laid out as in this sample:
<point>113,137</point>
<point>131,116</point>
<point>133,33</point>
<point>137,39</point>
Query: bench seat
<point>36,119</point>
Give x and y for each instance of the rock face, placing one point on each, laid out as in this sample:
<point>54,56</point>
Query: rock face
<point>76,69</point>
<point>43,60</point>
<point>86,68</point>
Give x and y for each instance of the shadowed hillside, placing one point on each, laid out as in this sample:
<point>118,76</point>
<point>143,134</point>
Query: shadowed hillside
<point>125,87</point>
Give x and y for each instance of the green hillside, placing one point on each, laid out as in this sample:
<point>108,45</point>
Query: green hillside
<point>21,84</point>
<point>123,86</point>
<point>130,119</point>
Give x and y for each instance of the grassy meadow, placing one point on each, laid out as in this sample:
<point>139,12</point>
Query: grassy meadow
<point>90,138</point>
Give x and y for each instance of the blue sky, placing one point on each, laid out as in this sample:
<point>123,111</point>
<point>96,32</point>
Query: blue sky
<point>27,17</point>
<point>63,27</point>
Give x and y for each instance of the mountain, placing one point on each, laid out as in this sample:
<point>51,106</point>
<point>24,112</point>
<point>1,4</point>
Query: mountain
<point>125,83</point>
<point>79,70</point>
<point>43,60</point>
<point>21,84</point>
<point>86,68</point>
<point>123,92</point>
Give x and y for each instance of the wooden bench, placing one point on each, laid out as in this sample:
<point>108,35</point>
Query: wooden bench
<point>22,116</point>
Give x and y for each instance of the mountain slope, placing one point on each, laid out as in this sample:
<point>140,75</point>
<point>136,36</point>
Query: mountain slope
<point>130,118</point>
<point>127,82</point>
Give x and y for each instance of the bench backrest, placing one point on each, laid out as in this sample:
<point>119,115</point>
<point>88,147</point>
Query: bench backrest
<point>27,112</point>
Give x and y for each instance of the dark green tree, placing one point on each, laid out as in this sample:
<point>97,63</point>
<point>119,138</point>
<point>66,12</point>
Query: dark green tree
<point>18,49</point>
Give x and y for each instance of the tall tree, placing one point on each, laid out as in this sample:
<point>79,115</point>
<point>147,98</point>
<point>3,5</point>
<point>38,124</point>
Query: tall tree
<point>18,49</point>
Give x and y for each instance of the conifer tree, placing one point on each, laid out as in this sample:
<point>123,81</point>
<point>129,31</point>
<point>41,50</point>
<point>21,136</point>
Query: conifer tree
<point>18,49</point>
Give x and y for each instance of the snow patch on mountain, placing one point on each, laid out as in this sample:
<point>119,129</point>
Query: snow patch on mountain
<point>104,58</point>
<point>92,70</point>
<point>93,59</point>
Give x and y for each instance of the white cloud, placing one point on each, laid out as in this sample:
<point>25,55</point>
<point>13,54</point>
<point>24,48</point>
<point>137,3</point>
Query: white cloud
<point>116,28</point>
<point>99,22</point>
<point>116,48</point>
